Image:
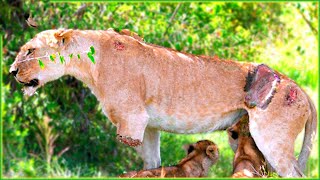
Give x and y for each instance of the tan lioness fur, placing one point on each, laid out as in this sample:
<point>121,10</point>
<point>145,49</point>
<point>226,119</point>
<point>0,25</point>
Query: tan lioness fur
<point>144,88</point>
<point>201,156</point>
<point>248,160</point>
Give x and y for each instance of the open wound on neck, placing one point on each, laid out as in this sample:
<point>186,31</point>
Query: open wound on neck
<point>261,86</point>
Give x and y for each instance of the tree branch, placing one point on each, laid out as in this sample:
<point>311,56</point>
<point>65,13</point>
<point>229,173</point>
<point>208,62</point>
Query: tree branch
<point>313,29</point>
<point>172,17</point>
<point>79,13</point>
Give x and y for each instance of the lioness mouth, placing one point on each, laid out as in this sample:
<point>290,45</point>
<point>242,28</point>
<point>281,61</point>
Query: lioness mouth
<point>32,83</point>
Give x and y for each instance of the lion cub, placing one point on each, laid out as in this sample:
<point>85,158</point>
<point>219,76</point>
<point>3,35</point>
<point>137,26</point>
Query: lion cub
<point>248,160</point>
<point>201,156</point>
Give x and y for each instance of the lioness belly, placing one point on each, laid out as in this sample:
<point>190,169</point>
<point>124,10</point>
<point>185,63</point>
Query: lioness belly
<point>195,123</point>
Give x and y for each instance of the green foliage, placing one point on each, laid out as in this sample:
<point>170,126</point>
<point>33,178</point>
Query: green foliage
<point>282,35</point>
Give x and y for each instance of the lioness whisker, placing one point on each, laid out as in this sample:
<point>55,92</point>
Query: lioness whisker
<point>46,56</point>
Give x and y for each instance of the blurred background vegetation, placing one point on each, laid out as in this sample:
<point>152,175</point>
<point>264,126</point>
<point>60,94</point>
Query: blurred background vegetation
<point>61,131</point>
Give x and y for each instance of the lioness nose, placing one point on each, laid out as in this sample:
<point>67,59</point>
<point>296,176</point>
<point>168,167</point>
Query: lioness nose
<point>14,71</point>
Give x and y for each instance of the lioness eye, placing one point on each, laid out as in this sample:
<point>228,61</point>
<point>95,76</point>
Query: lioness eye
<point>30,51</point>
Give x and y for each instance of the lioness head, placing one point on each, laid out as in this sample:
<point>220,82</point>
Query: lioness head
<point>26,67</point>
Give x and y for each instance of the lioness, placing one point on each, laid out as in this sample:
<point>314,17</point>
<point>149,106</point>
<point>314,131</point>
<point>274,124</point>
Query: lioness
<point>201,156</point>
<point>248,160</point>
<point>144,88</point>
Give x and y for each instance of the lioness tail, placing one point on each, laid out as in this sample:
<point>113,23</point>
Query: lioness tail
<point>309,136</point>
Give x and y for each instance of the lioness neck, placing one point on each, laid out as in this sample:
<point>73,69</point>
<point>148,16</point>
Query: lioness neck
<point>82,69</point>
<point>80,65</point>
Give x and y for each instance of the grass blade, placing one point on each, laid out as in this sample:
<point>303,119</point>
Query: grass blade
<point>52,57</point>
<point>92,50</point>
<point>61,59</point>
<point>41,63</point>
<point>90,56</point>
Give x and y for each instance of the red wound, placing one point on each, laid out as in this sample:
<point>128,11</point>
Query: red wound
<point>261,86</point>
<point>118,45</point>
<point>291,95</point>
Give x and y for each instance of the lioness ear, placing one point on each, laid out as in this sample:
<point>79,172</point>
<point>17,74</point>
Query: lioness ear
<point>63,36</point>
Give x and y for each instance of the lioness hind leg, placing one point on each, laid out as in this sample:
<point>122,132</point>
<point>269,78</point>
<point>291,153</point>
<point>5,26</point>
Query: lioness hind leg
<point>277,148</point>
<point>275,128</point>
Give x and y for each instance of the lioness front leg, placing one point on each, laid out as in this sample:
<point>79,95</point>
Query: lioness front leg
<point>131,124</point>
<point>150,149</point>
<point>125,107</point>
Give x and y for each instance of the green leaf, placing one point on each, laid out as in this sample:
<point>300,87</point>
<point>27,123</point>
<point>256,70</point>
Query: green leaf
<point>90,56</point>
<point>92,50</point>
<point>61,59</point>
<point>71,55</point>
<point>190,40</point>
<point>52,57</point>
<point>78,56</point>
<point>41,64</point>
